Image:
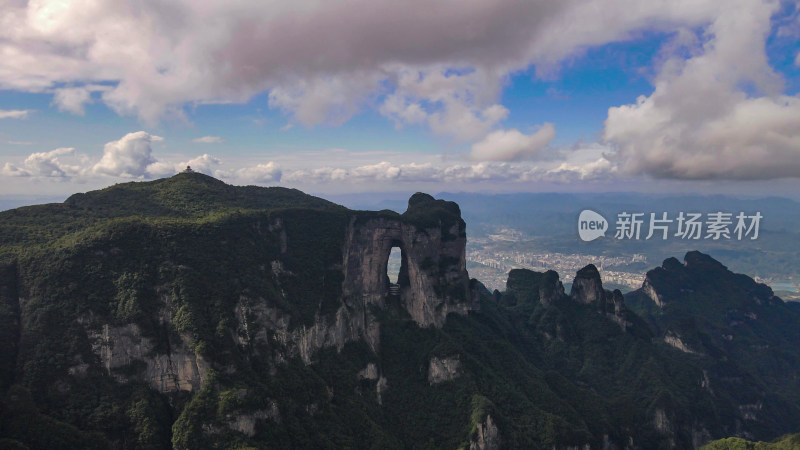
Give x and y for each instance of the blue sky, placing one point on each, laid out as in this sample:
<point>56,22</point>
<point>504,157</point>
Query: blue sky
<point>497,96</point>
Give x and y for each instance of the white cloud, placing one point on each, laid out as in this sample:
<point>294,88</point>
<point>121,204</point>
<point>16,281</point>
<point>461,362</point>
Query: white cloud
<point>586,163</point>
<point>74,99</point>
<point>323,99</point>
<point>461,104</point>
<point>261,173</point>
<point>204,163</point>
<point>15,113</point>
<point>509,145</point>
<point>44,164</point>
<point>127,157</point>
<point>719,114</point>
<point>403,111</point>
<point>319,61</point>
<point>209,140</point>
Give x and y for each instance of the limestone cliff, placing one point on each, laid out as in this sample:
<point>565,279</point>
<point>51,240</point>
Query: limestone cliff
<point>443,369</point>
<point>587,288</point>
<point>121,348</point>
<point>487,436</point>
<point>433,283</point>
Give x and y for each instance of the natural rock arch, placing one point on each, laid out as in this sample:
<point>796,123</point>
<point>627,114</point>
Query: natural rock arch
<point>433,278</point>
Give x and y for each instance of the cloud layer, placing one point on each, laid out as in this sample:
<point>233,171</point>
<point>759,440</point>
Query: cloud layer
<point>133,157</point>
<point>717,110</point>
<point>15,113</point>
<point>718,114</point>
<point>318,60</point>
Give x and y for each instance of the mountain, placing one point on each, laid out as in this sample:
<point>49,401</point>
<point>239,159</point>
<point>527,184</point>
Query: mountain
<point>788,442</point>
<point>187,313</point>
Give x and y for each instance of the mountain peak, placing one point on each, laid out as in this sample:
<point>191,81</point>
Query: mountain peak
<point>696,259</point>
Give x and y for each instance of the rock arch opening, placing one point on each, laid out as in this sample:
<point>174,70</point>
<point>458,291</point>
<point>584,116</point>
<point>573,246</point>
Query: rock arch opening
<point>393,264</point>
<point>396,269</point>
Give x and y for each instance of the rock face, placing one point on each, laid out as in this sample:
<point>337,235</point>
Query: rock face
<point>674,281</point>
<point>433,278</point>
<point>526,287</point>
<point>245,422</point>
<point>443,369</point>
<point>433,282</point>
<point>675,341</point>
<point>550,288</point>
<point>488,436</point>
<point>122,348</point>
<point>587,287</point>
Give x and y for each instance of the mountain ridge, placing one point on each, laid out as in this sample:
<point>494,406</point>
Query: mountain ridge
<point>276,327</point>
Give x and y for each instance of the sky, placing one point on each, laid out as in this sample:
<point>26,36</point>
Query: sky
<point>385,96</point>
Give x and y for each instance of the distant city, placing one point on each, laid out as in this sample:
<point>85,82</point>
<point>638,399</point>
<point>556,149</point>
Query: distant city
<point>490,256</point>
<point>492,267</point>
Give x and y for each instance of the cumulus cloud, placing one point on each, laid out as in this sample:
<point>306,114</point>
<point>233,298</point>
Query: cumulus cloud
<point>718,115</point>
<point>209,140</point>
<point>44,164</point>
<point>323,99</point>
<point>74,99</point>
<point>15,113</point>
<point>509,145</point>
<point>321,61</point>
<point>261,173</point>
<point>585,163</point>
<point>204,163</point>
<point>128,157</point>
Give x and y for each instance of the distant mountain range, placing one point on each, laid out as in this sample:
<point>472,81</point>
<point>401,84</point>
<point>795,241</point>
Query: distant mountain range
<point>187,313</point>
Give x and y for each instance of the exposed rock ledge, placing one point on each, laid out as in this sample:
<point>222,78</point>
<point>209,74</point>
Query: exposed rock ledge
<point>488,436</point>
<point>675,341</point>
<point>122,348</point>
<point>444,369</point>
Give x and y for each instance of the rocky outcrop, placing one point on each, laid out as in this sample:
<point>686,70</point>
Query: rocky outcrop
<point>615,309</point>
<point>550,288</point>
<point>368,373</point>
<point>675,341</point>
<point>433,278</point>
<point>260,323</point>
<point>526,287</point>
<point>443,369</point>
<point>380,388</point>
<point>372,373</point>
<point>245,422</point>
<point>663,425</point>
<point>650,291</point>
<point>487,436</point>
<point>587,287</point>
<point>127,354</point>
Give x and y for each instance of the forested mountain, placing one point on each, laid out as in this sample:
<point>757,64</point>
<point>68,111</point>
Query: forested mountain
<point>187,313</point>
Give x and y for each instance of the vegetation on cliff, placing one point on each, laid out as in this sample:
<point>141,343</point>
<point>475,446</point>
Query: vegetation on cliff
<point>219,280</point>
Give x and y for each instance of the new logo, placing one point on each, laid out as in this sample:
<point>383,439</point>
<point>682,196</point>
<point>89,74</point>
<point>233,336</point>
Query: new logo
<point>591,225</point>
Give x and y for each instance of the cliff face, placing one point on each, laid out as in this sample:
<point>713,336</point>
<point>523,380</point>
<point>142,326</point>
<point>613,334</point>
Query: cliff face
<point>318,280</point>
<point>186,313</point>
<point>587,289</point>
<point>433,278</point>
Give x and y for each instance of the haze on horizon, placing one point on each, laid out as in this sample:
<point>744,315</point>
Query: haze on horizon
<point>375,96</point>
